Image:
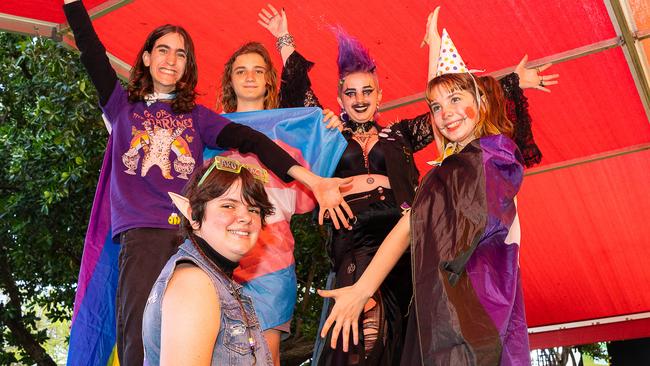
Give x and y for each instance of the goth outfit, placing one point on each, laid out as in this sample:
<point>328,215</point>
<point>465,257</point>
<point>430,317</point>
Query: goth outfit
<point>295,86</point>
<point>153,151</point>
<point>232,345</point>
<point>468,305</point>
<point>376,213</point>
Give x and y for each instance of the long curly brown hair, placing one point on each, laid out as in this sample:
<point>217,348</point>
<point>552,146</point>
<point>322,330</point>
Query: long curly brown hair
<point>141,82</point>
<point>228,96</point>
<point>493,119</point>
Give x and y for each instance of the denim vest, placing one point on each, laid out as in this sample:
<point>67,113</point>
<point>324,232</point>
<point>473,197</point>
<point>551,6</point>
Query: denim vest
<point>231,347</point>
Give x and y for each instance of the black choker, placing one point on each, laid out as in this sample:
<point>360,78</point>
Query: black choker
<point>225,265</point>
<point>361,127</point>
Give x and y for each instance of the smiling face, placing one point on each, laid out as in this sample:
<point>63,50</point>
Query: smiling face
<point>230,225</point>
<point>249,77</point>
<point>359,96</point>
<point>166,62</point>
<point>454,113</point>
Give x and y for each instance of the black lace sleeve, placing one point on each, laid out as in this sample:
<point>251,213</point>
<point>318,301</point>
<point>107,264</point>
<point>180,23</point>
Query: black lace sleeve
<point>418,130</point>
<point>295,87</point>
<point>517,108</point>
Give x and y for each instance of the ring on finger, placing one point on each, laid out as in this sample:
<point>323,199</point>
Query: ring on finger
<point>541,82</point>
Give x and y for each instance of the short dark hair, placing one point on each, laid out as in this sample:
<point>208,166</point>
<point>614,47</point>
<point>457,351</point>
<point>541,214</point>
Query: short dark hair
<point>215,185</point>
<point>141,82</point>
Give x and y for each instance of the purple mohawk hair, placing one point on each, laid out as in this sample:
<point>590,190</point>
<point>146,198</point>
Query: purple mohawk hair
<point>353,56</point>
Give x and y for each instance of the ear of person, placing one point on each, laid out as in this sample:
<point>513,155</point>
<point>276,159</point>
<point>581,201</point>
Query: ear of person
<point>182,203</point>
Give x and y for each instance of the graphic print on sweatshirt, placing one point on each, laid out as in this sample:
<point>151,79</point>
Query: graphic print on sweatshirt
<point>153,145</point>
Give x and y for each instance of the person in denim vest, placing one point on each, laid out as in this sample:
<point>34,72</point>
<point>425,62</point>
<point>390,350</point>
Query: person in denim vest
<point>195,312</point>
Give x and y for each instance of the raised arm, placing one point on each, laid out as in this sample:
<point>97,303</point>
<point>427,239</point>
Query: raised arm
<point>517,105</point>
<point>432,38</point>
<point>276,24</point>
<point>295,86</point>
<point>532,78</point>
<point>93,53</point>
<point>349,301</point>
<point>419,129</point>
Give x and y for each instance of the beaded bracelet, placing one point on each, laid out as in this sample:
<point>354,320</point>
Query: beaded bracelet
<point>285,40</point>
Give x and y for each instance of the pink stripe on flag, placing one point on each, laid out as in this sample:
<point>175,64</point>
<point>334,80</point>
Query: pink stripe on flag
<point>273,252</point>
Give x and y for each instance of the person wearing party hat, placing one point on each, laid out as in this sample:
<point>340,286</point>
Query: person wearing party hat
<point>462,230</point>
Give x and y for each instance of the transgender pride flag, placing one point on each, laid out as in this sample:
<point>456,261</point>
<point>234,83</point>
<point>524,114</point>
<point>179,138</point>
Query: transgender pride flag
<point>268,271</point>
<point>301,132</point>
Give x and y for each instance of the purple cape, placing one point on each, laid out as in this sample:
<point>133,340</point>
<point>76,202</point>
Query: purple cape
<point>468,303</point>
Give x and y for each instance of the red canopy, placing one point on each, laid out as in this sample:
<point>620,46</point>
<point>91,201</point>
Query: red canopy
<point>584,210</point>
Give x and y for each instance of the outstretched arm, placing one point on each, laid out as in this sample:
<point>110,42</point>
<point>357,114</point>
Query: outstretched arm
<point>327,193</point>
<point>326,190</point>
<point>533,78</point>
<point>349,301</point>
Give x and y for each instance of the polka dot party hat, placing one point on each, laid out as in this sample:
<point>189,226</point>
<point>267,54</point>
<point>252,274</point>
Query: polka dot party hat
<point>449,61</point>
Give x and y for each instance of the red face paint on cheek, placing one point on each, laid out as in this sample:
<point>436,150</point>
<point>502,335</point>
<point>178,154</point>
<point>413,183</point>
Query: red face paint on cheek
<point>470,112</point>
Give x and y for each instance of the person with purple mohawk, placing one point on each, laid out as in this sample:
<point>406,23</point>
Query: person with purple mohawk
<point>353,56</point>
<point>380,161</point>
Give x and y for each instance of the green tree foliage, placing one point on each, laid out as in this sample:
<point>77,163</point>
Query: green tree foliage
<point>597,351</point>
<point>312,268</point>
<point>560,356</point>
<point>51,145</point>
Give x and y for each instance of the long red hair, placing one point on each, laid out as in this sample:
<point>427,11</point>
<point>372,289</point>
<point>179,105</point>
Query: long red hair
<point>493,119</point>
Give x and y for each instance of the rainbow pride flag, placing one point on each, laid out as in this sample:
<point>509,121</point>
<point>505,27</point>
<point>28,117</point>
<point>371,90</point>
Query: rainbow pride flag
<point>92,337</point>
<point>299,130</point>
